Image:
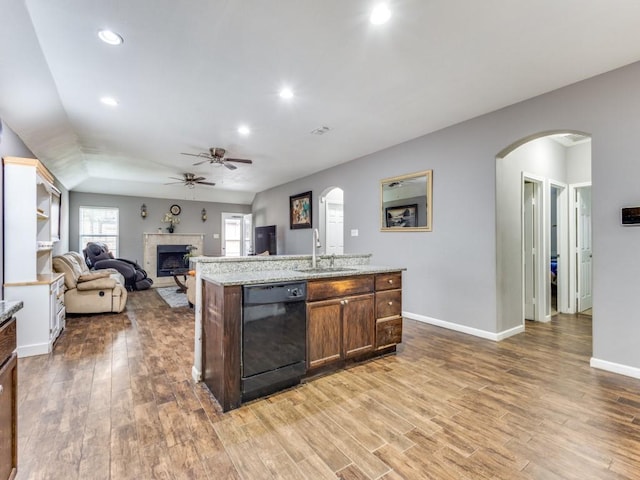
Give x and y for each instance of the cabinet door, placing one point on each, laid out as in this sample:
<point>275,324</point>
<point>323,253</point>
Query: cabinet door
<point>8,415</point>
<point>358,324</point>
<point>324,332</point>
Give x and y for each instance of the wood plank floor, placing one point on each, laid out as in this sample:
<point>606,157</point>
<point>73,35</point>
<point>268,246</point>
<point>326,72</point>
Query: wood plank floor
<point>115,400</point>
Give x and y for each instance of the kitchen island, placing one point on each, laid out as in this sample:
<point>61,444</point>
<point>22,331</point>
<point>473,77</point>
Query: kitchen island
<point>353,313</point>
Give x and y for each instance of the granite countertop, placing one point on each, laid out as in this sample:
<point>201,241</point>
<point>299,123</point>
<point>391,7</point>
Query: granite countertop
<point>276,276</point>
<point>8,309</point>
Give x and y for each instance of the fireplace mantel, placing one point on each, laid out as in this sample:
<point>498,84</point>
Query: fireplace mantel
<point>151,242</point>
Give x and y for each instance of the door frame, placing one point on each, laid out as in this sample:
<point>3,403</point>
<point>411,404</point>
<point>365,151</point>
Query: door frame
<point>563,229</point>
<point>539,245</point>
<point>573,239</point>
<point>241,217</point>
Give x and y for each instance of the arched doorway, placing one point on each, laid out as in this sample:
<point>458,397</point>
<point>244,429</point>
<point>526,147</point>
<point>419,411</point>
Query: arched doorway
<point>536,252</point>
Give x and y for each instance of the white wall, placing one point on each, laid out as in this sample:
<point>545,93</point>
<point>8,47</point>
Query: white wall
<point>579,163</point>
<point>451,272</point>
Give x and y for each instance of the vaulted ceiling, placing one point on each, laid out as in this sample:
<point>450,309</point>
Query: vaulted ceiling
<point>190,73</point>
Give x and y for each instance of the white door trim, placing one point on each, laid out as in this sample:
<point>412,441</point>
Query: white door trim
<point>562,217</point>
<point>541,250</point>
<point>573,246</point>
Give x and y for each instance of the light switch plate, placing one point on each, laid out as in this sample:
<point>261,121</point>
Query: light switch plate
<point>216,235</point>
<point>354,232</point>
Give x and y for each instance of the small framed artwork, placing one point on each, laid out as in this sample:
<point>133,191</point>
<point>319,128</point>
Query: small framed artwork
<point>300,214</point>
<point>403,216</point>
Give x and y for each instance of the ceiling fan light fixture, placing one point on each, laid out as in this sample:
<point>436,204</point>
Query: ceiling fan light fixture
<point>110,37</point>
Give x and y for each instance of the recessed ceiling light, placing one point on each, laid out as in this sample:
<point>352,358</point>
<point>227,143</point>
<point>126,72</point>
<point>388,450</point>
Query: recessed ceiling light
<point>110,37</point>
<point>112,102</point>
<point>380,14</point>
<point>286,93</point>
<point>243,130</point>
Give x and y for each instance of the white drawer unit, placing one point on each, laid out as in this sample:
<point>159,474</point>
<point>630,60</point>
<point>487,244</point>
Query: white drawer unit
<point>42,318</point>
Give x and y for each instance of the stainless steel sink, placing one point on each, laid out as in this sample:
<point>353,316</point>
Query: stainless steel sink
<point>324,269</point>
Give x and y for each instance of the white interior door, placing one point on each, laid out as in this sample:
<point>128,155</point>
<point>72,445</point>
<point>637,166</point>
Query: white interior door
<point>335,228</point>
<point>584,252</point>
<point>529,253</point>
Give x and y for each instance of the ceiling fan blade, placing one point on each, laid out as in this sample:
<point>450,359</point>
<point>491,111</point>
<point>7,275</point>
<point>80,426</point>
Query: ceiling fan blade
<point>203,161</point>
<point>205,183</point>
<point>173,183</point>
<point>230,166</point>
<point>204,155</point>
<point>238,160</point>
<point>197,179</point>
<point>176,178</point>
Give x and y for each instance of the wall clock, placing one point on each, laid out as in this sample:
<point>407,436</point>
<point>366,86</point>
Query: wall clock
<point>175,209</point>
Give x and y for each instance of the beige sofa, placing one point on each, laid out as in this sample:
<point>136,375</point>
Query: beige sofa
<point>88,291</point>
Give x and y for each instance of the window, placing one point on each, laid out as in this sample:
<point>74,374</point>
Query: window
<point>99,224</point>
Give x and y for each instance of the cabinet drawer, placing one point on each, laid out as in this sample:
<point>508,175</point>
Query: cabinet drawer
<point>7,340</point>
<point>388,281</point>
<point>388,332</point>
<point>330,288</point>
<point>388,303</point>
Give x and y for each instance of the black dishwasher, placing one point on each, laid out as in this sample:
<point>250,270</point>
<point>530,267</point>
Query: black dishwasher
<point>274,326</point>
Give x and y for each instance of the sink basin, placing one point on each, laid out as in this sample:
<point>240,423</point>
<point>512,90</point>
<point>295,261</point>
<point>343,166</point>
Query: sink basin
<point>325,269</point>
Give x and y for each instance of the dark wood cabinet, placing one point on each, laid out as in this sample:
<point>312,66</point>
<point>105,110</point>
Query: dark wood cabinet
<point>388,310</point>
<point>349,319</point>
<point>8,401</point>
<point>340,319</point>
<point>324,332</point>
<point>221,342</point>
<point>358,325</point>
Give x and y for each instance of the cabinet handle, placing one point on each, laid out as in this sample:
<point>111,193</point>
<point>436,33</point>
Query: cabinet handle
<point>344,302</point>
<point>390,303</point>
<point>390,281</point>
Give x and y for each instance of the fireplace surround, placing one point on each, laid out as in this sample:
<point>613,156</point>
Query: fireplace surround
<point>151,243</point>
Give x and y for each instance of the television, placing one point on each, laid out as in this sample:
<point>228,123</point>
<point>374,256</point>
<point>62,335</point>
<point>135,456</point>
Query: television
<point>265,240</point>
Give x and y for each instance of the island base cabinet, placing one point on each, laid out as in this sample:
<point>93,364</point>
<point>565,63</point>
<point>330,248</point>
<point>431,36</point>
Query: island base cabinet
<point>8,401</point>
<point>324,333</point>
<point>388,332</point>
<point>358,325</point>
<point>8,417</point>
<point>339,329</point>
<point>221,342</point>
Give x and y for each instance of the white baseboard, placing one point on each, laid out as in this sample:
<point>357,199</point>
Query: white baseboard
<point>196,374</point>
<point>615,367</point>
<point>31,350</point>
<point>496,337</point>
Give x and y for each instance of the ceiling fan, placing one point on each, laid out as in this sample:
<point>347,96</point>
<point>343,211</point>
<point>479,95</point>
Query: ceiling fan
<point>216,156</point>
<point>190,180</point>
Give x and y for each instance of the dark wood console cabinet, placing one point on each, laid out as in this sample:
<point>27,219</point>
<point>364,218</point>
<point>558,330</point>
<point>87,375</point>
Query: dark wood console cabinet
<point>8,401</point>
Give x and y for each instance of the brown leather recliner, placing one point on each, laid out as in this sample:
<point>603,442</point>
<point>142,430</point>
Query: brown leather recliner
<point>89,291</point>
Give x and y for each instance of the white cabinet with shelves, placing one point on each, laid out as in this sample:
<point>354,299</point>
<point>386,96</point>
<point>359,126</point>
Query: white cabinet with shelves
<point>31,210</point>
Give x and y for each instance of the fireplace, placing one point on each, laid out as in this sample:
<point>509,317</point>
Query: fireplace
<point>171,258</point>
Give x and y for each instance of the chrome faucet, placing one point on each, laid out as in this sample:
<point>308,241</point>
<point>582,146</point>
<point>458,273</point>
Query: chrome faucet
<point>315,238</point>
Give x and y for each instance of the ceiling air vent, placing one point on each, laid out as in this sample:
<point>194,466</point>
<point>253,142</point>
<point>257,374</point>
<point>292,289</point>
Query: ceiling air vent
<point>320,130</point>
